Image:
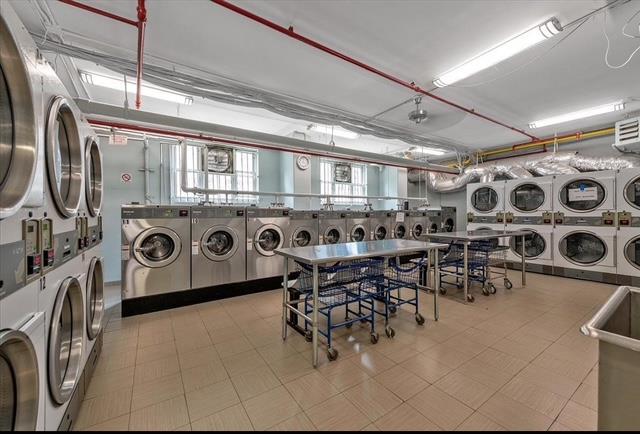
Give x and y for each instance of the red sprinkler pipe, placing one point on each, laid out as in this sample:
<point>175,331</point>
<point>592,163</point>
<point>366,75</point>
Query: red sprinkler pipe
<point>409,85</point>
<point>141,25</point>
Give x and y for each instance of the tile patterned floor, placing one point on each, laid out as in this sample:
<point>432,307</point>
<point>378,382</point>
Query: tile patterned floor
<point>513,361</point>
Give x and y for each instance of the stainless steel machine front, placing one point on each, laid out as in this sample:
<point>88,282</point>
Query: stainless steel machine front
<point>418,224</point>
<point>303,231</point>
<point>449,216</point>
<point>380,225</point>
<point>155,250</point>
<point>358,225</point>
<point>218,245</point>
<point>434,221</point>
<point>398,223</point>
<point>332,227</point>
<point>266,229</point>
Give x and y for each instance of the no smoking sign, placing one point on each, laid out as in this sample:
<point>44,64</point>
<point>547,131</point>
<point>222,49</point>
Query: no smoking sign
<point>126,178</point>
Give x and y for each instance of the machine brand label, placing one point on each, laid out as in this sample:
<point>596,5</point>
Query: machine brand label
<point>194,248</point>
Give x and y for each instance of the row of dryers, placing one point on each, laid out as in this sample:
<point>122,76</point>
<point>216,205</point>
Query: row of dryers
<point>51,270</point>
<point>173,248</point>
<point>584,225</point>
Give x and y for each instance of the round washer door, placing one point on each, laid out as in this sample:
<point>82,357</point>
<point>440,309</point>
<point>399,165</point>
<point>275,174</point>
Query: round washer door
<point>19,382</point>
<point>527,197</point>
<point>583,248</point>
<point>18,131</point>
<point>65,341</point>
<point>65,157</point>
<point>95,297</point>
<point>632,192</point>
<point>632,252</point>
<point>400,231</point>
<point>219,243</point>
<point>93,176</point>
<point>534,245</point>
<point>433,228</point>
<point>380,233</point>
<point>417,230</point>
<point>157,247</point>
<point>358,233</point>
<point>332,236</point>
<point>484,199</point>
<point>268,238</point>
<point>301,238</point>
<point>448,225</point>
<point>582,195</point>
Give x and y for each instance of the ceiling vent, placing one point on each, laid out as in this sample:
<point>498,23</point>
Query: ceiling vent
<point>217,159</point>
<point>628,132</point>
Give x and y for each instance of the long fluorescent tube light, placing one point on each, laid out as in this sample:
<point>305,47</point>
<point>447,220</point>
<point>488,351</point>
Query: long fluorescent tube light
<point>427,151</point>
<point>146,90</point>
<point>500,52</point>
<point>336,131</point>
<point>580,114</point>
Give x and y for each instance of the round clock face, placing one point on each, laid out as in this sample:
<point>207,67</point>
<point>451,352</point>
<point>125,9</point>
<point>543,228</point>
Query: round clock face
<point>303,162</point>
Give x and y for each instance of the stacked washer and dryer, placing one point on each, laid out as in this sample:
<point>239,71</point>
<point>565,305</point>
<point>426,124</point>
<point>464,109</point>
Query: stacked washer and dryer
<point>485,208</point>
<point>43,300</point>
<point>628,242</point>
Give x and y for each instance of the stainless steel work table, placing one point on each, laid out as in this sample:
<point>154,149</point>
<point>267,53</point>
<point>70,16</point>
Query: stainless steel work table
<point>466,237</point>
<point>330,253</point>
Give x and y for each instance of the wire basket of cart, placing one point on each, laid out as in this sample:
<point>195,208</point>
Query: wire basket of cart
<point>342,287</point>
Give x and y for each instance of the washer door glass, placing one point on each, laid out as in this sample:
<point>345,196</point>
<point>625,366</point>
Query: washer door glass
<point>484,199</point>
<point>632,252</point>
<point>93,177</point>
<point>157,247</point>
<point>332,236</point>
<point>6,128</point>
<point>582,195</point>
<point>632,192</point>
<point>95,298</point>
<point>219,243</point>
<point>534,245</point>
<point>301,238</point>
<point>8,396</point>
<point>381,233</point>
<point>583,248</point>
<point>358,233</point>
<point>448,225</point>
<point>400,231</point>
<point>527,197</point>
<point>268,240</point>
<point>433,228</point>
<point>417,230</point>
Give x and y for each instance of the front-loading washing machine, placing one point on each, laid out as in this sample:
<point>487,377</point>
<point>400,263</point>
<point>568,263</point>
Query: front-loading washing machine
<point>486,200</point>
<point>358,226</point>
<point>94,307</point>
<point>434,221</point>
<point>418,224</point>
<point>530,197</point>
<point>538,246</point>
<point>380,225</point>
<point>628,191</point>
<point>399,225</point>
<point>156,258</point>
<point>22,361</point>
<point>628,259</point>
<point>449,216</point>
<point>93,197</point>
<point>584,198</point>
<point>303,231</point>
<point>585,252</point>
<point>266,232</point>
<point>332,227</point>
<point>218,245</point>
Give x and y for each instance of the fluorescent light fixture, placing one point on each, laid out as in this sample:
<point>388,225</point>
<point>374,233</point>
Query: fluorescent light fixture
<point>336,131</point>
<point>145,90</point>
<point>580,114</point>
<point>500,52</point>
<point>426,151</point>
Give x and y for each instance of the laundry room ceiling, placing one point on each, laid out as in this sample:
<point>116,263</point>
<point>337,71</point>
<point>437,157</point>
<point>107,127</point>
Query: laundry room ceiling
<point>412,40</point>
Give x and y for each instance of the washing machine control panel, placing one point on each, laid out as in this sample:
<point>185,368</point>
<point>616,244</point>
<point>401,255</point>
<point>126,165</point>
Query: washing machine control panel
<point>624,218</point>
<point>82,231</point>
<point>48,255</point>
<point>547,218</point>
<point>508,217</point>
<point>559,218</point>
<point>608,219</point>
<point>32,237</point>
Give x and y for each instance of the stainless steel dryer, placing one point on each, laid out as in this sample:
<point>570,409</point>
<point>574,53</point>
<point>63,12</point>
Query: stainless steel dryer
<point>303,231</point>
<point>399,224</point>
<point>155,250</point>
<point>358,226</point>
<point>332,227</point>
<point>417,223</point>
<point>434,221</point>
<point>379,224</point>
<point>449,216</point>
<point>266,229</point>
<point>218,245</point>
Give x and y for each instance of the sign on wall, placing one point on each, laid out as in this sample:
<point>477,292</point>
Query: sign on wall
<point>126,178</point>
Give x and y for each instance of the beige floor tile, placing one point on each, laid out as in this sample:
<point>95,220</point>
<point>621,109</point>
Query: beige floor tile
<point>592,378</point>
<point>337,414</point>
<point>370,427</point>
<point>587,396</point>
<point>114,362</point>
<point>254,383</point>
<point>573,369</point>
<point>483,373</point>
<point>534,397</point>
<point>310,390</point>
<point>271,408</point>
<point>447,356</point>
<point>243,362</point>
<point>578,417</point>
<point>164,416</point>
<point>521,350</point>
<point>233,347</point>
<point>117,424</point>
<point>402,382</point>
<point>230,419</point>
<point>159,390</point>
<point>557,426</point>
<point>192,341</point>
<point>465,390</point>
<point>155,338</point>
<point>372,399</point>
<point>501,361</point>
<point>440,408</point>
<point>273,352</point>
<point>557,384</point>
<point>155,352</point>
<point>292,367</point>
<point>157,369</point>
<point>372,362</point>
<point>514,415</point>
<point>211,399</point>
<point>464,345</point>
<point>203,375</point>
<point>481,337</point>
<point>405,418</point>
<point>109,382</point>
<point>186,427</point>
<point>225,334</point>
<point>199,356</point>
<point>103,408</point>
<point>343,374</point>
<point>426,368</point>
<point>478,422</point>
<point>299,422</point>
<point>396,351</point>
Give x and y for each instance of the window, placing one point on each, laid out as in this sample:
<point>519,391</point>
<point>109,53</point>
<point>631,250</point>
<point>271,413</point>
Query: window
<point>244,178</point>
<point>357,186</point>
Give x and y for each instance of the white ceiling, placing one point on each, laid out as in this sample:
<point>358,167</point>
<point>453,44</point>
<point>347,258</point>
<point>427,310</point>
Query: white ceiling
<point>414,40</point>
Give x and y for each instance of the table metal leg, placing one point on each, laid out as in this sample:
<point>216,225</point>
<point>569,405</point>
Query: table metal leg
<point>314,318</point>
<point>466,271</point>
<point>285,297</point>
<point>436,286</point>
<point>523,255</point>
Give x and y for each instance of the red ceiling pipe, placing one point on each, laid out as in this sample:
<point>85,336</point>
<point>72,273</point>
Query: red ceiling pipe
<point>198,136</point>
<point>141,25</point>
<point>409,85</point>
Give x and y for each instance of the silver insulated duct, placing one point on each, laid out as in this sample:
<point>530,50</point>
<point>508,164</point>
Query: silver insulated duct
<point>522,167</point>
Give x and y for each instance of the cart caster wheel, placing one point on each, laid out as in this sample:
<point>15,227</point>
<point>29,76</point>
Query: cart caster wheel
<point>349,325</point>
<point>374,338</point>
<point>389,331</point>
<point>363,321</point>
<point>471,298</point>
<point>308,336</point>
<point>508,284</point>
<point>443,292</point>
<point>419,319</point>
<point>492,288</point>
<point>332,354</point>
<point>392,309</point>
<point>460,285</point>
<point>486,291</point>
